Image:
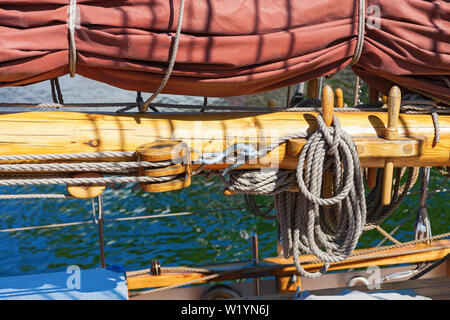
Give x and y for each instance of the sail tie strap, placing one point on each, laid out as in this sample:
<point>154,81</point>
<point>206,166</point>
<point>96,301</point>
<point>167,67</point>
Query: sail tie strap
<point>361,29</point>
<point>173,56</point>
<point>72,22</point>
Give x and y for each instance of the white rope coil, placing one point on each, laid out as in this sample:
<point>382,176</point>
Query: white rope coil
<point>309,226</point>
<point>306,225</point>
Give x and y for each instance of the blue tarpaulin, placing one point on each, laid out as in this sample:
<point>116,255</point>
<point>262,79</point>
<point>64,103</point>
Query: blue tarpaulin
<point>75,284</point>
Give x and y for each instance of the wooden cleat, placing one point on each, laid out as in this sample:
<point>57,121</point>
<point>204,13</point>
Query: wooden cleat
<point>374,97</point>
<point>339,98</point>
<point>312,88</point>
<point>391,133</point>
<point>327,114</point>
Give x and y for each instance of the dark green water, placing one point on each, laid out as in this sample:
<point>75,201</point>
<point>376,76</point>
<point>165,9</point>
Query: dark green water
<point>221,235</point>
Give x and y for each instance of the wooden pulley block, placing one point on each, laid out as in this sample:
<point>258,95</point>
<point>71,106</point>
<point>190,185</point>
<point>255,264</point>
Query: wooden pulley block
<point>175,169</point>
<point>86,191</point>
<point>174,151</point>
<point>162,150</point>
<point>229,192</point>
<point>171,185</point>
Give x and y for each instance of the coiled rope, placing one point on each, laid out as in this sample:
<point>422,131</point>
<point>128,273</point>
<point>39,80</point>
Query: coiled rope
<point>308,222</point>
<point>377,213</point>
<point>304,221</point>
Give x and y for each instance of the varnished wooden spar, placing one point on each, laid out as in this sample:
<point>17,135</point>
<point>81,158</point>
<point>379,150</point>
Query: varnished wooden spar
<point>72,132</point>
<point>283,267</point>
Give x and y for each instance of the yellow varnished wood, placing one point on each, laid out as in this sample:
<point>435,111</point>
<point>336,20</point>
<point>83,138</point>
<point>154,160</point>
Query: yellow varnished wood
<point>388,174</point>
<point>86,191</point>
<point>312,88</point>
<point>165,150</point>
<point>327,105</point>
<point>374,97</point>
<point>327,114</point>
<point>229,192</point>
<point>371,177</point>
<point>394,102</point>
<point>172,185</point>
<point>162,150</point>
<point>165,171</point>
<point>287,284</point>
<point>71,132</point>
<point>374,148</point>
<point>393,256</point>
<point>339,94</point>
<point>391,133</point>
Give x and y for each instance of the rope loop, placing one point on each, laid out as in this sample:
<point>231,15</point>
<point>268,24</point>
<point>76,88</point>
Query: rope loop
<point>328,228</point>
<point>313,155</point>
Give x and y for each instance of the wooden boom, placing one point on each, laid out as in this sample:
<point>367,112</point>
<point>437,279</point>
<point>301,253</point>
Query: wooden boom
<point>73,132</point>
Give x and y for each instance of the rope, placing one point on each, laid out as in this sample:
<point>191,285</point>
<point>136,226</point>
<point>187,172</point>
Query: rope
<point>403,244</point>
<point>352,257</point>
<point>69,156</point>
<point>253,208</point>
<point>437,128</point>
<point>304,225</point>
<point>34,196</point>
<point>440,99</point>
<point>361,29</point>
<point>416,104</point>
<point>301,221</point>
<point>71,24</point>
<point>82,181</point>
<point>264,182</point>
<point>397,227</point>
<point>130,105</point>
<point>172,58</point>
<point>153,216</point>
<point>168,269</point>
<point>377,213</point>
<point>382,232</point>
<point>83,166</point>
<point>445,171</point>
<point>56,91</point>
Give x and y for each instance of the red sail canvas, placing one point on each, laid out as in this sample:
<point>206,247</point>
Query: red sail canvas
<point>227,48</point>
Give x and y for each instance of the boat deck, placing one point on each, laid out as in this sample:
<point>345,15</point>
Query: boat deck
<point>434,288</point>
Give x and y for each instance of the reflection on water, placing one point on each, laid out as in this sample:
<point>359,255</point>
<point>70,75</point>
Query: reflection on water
<point>201,238</point>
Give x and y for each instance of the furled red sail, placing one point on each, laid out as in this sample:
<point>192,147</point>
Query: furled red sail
<point>227,48</point>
